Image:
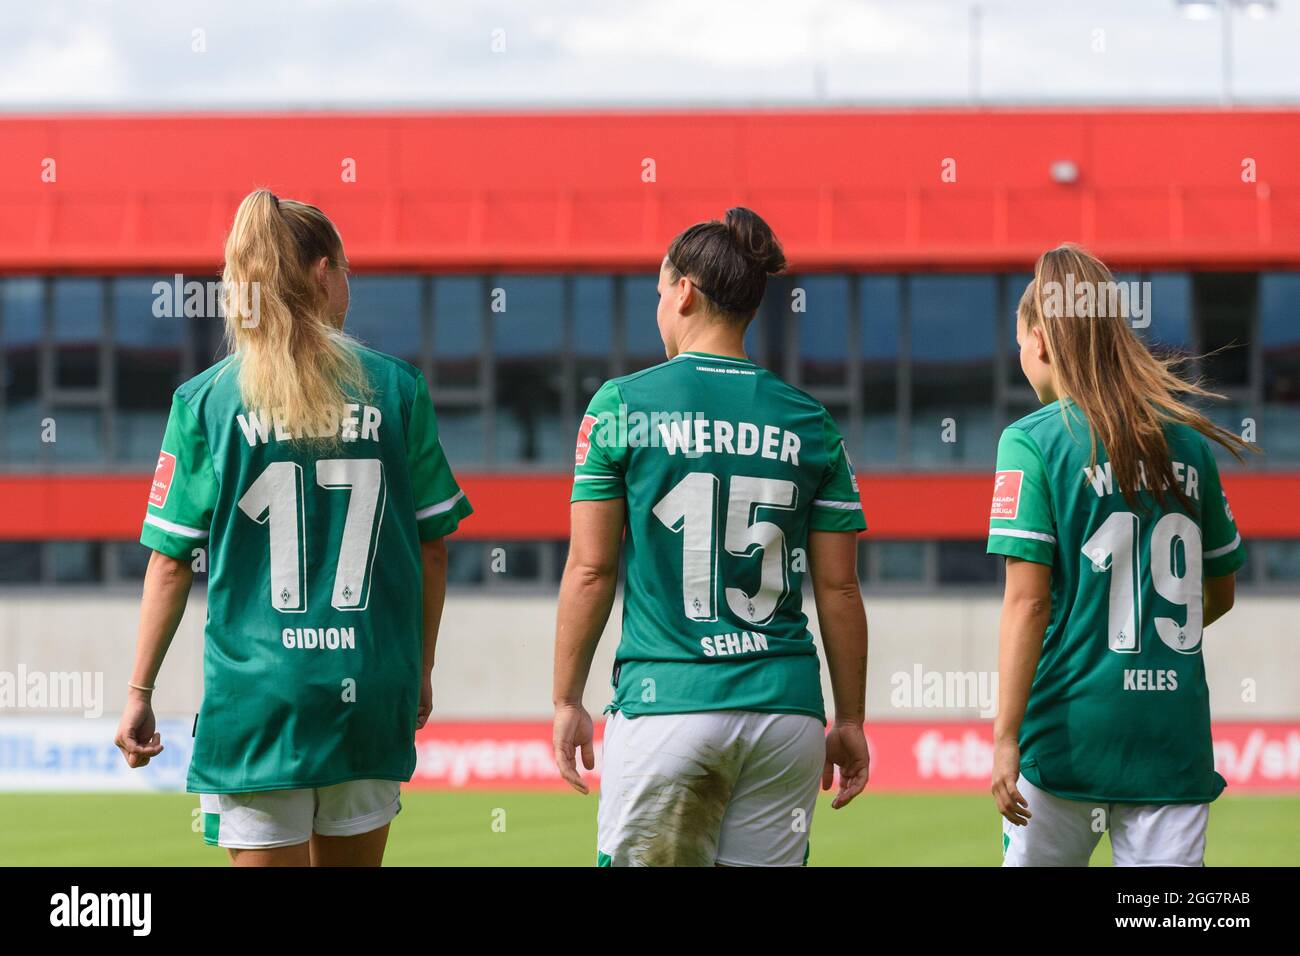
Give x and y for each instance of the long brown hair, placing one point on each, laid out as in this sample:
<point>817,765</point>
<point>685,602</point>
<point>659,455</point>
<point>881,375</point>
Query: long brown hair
<point>1126,394</point>
<point>293,361</point>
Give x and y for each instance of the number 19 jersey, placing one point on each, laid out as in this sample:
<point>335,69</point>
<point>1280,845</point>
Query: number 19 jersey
<point>1119,708</point>
<point>725,469</point>
<point>314,637</point>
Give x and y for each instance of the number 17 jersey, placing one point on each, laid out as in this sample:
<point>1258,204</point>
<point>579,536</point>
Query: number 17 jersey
<point>314,637</point>
<point>725,470</point>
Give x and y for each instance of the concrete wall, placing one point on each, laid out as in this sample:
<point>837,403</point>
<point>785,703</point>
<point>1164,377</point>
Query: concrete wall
<point>494,655</point>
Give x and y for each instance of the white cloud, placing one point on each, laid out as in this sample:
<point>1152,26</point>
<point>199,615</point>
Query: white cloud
<point>61,53</point>
<point>82,63</point>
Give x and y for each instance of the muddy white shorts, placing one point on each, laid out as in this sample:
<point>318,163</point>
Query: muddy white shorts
<point>1064,832</point>
<point>276,818</point>
<point>730,788</point>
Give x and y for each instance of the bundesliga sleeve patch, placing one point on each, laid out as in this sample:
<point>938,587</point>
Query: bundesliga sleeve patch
<point>584,440</point>
<point>1006,495</point>
<point>162,479</point>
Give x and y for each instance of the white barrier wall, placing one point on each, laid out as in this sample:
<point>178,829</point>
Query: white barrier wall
<point>494,655</point>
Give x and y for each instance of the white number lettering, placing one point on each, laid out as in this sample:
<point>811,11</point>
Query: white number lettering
<point>691,509</point>
<point>1114,548</point>
<point>276,499</point>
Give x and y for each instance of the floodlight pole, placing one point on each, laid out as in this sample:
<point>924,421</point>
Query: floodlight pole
<point>1225,14</point>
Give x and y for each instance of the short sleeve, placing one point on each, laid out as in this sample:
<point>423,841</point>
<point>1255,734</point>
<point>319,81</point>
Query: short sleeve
<point>1020,520</point>
<point>439,502</point>
<point>600,458</point>
<point>1223,552</point>
<point>184,488</point>
<point>837,505</point>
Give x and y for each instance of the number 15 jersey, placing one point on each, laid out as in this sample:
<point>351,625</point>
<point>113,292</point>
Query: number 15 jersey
<point>725,469</point>
<point>314,638</point>
<point>1119,708</point>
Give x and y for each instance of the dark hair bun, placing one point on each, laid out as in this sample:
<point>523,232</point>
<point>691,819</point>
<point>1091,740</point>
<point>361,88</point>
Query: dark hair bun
<point>728,261</point>
<point>754,238</point>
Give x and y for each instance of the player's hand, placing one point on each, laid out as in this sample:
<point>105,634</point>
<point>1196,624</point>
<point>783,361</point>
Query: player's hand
<point>1006,774</point>
<point>573,732</point>
<point>846,748</point>
<point>426,700</point>
<point>137,737</point>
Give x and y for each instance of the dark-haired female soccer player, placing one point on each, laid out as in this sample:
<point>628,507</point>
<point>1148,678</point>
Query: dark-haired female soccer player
<point>309,466</point>
<point>1121,550</point>
<point>726,487</point>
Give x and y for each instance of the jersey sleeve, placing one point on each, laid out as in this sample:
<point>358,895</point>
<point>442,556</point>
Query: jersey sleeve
<point>1223,552</point>
<point>439,502</point>
<point>1020,520</point>
<point>600,458</point>
<point>837,505</point>
<point>184,488</point>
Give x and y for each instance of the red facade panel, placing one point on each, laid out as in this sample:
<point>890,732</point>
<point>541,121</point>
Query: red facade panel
<point>524,507</point>
<point>852,188</point>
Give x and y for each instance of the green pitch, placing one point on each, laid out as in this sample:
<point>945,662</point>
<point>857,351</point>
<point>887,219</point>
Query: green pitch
<point>558,829</point>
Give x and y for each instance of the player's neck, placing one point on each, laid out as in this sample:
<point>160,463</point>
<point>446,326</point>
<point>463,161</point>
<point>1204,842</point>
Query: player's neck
<point>721,341</point>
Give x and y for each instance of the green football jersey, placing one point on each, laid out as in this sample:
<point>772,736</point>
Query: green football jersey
<point>1119,709</point>
<point>314,637</point>
<point>725,469</point>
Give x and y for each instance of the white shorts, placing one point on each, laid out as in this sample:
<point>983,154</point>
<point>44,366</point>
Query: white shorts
<point>276,818</point>
<point>730,788</point>
<point>1065,832</point>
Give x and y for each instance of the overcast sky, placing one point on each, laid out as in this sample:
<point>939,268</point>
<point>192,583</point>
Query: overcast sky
<point>105,54</point>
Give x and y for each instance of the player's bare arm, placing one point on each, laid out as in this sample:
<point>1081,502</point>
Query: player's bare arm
<point>1026,606</point>
<point>586,596</point>
<point>433,557</point>
<point>832,558</point>
<point>1218,598</point>
<point>167,583</point>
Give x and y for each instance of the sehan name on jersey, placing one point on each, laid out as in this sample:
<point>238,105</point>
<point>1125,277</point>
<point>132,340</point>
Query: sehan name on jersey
<point>724,645</point>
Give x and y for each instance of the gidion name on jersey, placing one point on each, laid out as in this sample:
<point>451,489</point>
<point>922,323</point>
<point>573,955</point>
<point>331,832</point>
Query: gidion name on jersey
<point>350,423</point>
<point>724,645</point>
<point>319,638</point>
<point>701,436</point>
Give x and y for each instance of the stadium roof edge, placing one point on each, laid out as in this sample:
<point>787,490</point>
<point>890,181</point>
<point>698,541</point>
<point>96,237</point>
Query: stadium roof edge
<point>861,188</point>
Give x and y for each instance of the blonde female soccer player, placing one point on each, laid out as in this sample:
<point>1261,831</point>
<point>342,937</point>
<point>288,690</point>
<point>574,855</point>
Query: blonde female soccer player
<point>310,469</point>
<point>1121,550</point>
<point>723,489</point>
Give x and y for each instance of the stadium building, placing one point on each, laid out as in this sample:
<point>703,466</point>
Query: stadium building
<point>512,256</point>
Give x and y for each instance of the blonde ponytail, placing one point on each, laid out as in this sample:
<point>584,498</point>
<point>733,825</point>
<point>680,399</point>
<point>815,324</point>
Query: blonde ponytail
<point>293,362</point>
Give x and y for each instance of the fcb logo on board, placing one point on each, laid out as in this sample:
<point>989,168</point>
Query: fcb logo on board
<point>162,479</point>
<point>584,440</point>
<point>1006,495</point>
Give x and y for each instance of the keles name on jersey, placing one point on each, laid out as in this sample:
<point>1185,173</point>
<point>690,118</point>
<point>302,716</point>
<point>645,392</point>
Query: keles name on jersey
<point>352,422</point>
<point>1138,679</point>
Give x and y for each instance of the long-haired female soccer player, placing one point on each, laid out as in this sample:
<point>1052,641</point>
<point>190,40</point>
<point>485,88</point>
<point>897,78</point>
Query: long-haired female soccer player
<point>724,485</point>
<point>1120,550</point>
<point>309,466</point>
